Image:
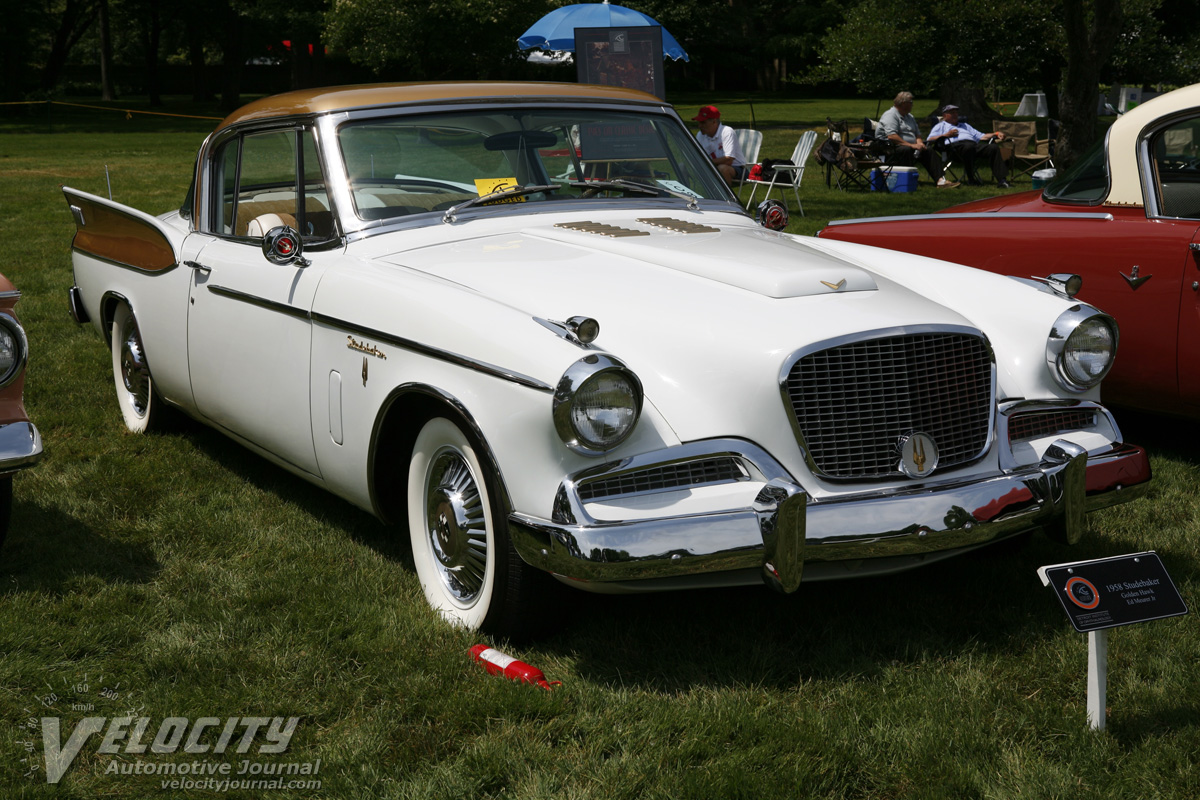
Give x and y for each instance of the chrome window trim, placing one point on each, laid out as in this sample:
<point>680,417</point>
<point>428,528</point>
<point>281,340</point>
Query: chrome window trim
<point>22,346</point>
<point>202,215</point>
<point>881,333</point>
<point>1074,215</point>
<point>1151,197</point>
<point>354,228</point>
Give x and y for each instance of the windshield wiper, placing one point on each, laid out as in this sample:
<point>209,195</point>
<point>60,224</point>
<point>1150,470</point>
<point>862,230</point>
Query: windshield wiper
<point>615,184</point>
<point>624,185</point>
<point>510,191</point>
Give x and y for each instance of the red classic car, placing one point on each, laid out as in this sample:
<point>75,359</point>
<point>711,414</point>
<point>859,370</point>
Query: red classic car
<point>1126,219</point>
<point>20,443</point>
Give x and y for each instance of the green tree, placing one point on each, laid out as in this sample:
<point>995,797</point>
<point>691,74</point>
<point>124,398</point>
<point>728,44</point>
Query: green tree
<point>433,39</point>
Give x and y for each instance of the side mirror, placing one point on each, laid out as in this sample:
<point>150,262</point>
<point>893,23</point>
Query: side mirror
<point>282,245</point>
<point>772,215</point>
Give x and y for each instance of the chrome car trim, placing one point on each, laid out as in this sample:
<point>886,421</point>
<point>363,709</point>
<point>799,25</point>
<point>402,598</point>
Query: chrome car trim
<point>907,523</point>
<point>464,416</point>
<point>1060,332</point>
<point>563,331</point>
<point>12,293</point>
<point>261,302</point>
<point>20,446</point>
<point>22,346</point>
<point>434,352</point>
<point>881,333</point>
<point>76,307</point>
<point>122,264</point>
<point>568,386</point>
<point>759,466</point>
<point>1076,215</point>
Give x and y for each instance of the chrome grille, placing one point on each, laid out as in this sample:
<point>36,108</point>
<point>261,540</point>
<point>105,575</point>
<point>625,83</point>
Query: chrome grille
<point>853,402</point>
<point>1034,425</point>
<point>666,477</point>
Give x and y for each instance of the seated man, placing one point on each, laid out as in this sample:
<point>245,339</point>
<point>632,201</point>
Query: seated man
<point>970,145</point>
<point>898,139</point>
<point>721,145</point>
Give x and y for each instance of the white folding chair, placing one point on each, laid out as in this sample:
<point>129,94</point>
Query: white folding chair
<point>750,142</point>
<point>788,174</point>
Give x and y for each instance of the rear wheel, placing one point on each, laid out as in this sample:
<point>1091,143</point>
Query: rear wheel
<point>467,566</point>
<point>131,374</point>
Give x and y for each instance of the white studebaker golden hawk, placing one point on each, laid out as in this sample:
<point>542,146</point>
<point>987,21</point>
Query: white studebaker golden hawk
<point>532,323</point>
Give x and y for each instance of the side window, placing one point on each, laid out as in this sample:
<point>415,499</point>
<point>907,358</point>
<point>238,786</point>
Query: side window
<point>257,174</point>
<point>1177,166</point>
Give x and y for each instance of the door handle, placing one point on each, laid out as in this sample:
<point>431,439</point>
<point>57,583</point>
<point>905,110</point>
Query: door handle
<point>196,265</point>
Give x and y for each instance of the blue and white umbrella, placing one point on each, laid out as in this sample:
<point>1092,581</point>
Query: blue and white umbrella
<point>556,30</point>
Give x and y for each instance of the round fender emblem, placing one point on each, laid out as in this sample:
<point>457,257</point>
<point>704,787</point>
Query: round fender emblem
<point>918,455</point>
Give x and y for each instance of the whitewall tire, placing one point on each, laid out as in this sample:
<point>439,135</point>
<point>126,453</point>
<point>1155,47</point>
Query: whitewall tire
<point>452,524</point>
<point>131,374</point>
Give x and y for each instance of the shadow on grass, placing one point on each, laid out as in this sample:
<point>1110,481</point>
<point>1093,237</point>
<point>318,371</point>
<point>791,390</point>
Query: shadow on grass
<point>319,503</point>
<point>989,603</point>
<point>47,551</point>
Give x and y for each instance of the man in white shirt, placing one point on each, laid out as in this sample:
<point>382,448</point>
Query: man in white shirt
<point>970,145</point>
<point>721,145</point>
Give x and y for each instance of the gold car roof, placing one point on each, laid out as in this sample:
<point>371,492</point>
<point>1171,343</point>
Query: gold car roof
<point>344,98</point>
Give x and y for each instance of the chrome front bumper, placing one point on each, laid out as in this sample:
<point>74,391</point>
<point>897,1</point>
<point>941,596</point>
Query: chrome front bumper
<point>786,537</point>
<point>20,446</point>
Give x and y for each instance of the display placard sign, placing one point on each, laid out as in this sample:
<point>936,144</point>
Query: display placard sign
<point>629,57</point>
<point>1109,592</point>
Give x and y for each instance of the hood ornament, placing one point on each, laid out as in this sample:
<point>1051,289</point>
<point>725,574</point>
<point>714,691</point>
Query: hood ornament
<point>1134,280</point>
<point>835,286</point>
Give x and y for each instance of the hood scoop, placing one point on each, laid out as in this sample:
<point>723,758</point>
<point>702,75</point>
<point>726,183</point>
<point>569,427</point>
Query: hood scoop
<point>677,225</point>
<point>601,229</point>
<point>761,261</point>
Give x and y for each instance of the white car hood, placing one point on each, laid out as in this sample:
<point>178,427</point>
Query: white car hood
<point>706,319</point>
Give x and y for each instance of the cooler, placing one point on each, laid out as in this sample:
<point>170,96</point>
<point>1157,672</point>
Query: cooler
<point>899,179</point>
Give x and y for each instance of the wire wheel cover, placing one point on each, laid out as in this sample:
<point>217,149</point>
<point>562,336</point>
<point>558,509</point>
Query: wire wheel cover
<point>456,525</point>
<point>134,372</point>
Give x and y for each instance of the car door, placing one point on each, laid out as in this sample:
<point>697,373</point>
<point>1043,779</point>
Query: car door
<point>249,325</point>
<point>1173,152</point>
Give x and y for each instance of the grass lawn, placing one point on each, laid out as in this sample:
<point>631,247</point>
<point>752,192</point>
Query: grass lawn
<point>177,575</point>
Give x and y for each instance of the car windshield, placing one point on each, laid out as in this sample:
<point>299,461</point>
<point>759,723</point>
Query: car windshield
<point>421,163</point>
<point>1086,182</point>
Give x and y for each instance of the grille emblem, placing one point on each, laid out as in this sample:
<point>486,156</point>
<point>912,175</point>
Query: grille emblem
<point>835,286</point>
<point>918,455</point>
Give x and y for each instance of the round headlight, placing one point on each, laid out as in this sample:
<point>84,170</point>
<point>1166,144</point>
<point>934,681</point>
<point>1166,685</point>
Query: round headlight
<point>597,404</point>
<point>12,349</point>
<point>1082,347</point>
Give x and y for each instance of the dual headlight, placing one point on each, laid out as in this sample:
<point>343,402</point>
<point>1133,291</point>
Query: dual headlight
<point>597,404</point>
<point>13,349</point>
<point>1081,347</point>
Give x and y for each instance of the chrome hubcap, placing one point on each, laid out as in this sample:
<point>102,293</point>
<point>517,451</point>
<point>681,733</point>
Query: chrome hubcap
<point>134,372</point>
<point>455,525</point>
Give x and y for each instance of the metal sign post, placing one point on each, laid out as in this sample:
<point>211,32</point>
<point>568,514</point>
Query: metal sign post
<point>1097,687</point>
<point>1105,593</point>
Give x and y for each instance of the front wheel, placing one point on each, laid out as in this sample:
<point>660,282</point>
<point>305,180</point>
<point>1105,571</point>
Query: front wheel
<point>131,374</point>
<point>468,569</point>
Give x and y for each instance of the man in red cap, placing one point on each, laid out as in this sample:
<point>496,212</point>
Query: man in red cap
<point>721,145</point>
